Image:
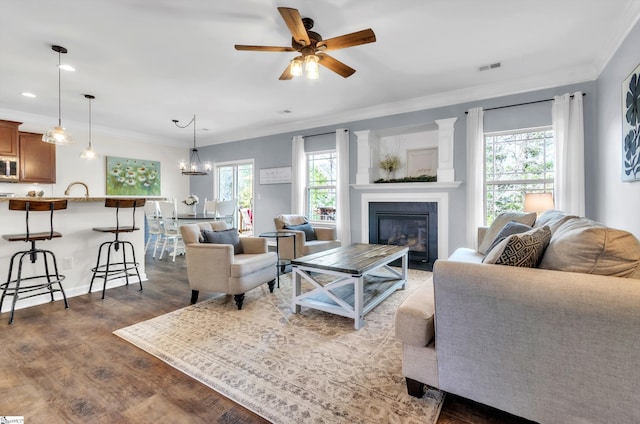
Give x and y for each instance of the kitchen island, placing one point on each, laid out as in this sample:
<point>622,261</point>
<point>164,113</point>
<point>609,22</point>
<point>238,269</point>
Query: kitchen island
<point>77,250</point>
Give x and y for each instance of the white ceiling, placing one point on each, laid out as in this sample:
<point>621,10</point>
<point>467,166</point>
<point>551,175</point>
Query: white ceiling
<point>148,62</point>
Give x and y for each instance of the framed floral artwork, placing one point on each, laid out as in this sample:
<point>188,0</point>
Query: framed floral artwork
<point>132,177</point>
<point>631,126</point>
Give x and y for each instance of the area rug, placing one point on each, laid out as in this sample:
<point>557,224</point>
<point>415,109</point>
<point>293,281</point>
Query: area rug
<point>292,368</point>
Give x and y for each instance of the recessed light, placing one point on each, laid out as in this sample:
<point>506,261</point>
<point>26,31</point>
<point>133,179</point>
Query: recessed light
<point>27,94</point>
<point>67,68</point>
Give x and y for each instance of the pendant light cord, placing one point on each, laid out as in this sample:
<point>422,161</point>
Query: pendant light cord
<point>59,93</point>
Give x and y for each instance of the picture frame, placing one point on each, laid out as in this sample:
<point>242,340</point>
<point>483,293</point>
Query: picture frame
<point>275,175</point>
<point>132,177</point>
<point>631,126</point>
<point>422,162</point>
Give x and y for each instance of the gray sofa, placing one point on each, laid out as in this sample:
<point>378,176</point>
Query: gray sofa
<point>558,343</point>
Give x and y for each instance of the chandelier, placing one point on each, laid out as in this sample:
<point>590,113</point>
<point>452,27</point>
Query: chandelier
<point>195,166</point>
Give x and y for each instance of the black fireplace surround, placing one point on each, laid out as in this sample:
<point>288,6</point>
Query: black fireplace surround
<point>411,224</point>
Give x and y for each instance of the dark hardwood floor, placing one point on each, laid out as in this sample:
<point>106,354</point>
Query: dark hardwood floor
<point>66,366</point>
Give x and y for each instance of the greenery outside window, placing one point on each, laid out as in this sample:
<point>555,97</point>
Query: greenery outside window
<point>517,162</point>
<point>322,174</point>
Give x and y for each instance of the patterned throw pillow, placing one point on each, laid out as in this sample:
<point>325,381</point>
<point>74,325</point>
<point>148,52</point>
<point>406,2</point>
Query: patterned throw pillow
<point>229,236</point>
<point>523,250</point>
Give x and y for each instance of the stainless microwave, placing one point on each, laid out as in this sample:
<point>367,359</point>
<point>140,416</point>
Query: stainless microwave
<point>9,169</point>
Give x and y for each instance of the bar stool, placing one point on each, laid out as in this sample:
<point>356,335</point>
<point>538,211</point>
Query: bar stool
<point>35,284</point>
<point>118,268</point>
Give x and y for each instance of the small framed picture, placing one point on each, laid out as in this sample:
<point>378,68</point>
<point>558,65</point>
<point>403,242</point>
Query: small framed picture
<point>422,162</point>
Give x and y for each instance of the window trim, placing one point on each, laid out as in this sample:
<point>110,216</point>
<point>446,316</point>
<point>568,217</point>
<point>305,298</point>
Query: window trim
<point>308,187</point>
<point>550,176</point>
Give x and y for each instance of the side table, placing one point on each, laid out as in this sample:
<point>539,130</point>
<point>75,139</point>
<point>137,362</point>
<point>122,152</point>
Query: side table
<point>278,235</point>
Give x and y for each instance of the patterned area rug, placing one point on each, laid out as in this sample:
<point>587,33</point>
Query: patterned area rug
<point>292,368</point>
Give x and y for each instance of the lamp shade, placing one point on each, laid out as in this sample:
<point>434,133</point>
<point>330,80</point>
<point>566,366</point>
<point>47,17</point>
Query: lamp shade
<point>538,202</point>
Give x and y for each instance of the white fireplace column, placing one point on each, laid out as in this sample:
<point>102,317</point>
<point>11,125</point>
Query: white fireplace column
<point>368,156</point>
<point>446,172</point>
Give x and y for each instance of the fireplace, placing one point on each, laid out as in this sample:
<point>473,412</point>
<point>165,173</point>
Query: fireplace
<point>410,224</point>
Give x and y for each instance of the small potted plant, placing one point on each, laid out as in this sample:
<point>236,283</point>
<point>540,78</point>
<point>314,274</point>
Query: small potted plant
<point>192,201</point>
<point>390,164</point>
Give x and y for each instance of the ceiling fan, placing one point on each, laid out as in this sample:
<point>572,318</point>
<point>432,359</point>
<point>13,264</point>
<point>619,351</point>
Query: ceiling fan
<point>312,47</point>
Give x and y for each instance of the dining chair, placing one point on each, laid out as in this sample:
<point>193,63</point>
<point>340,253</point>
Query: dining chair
<point>172,239</point>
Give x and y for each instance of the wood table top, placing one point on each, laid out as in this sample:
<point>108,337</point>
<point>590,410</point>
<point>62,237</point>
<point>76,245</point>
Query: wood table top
<point>355,259</point>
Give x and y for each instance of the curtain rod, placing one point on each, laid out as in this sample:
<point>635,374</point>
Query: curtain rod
<point>521,104</point>
<point>325,133</point>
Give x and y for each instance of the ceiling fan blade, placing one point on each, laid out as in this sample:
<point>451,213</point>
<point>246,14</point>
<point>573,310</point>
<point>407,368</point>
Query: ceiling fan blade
<point>265,48</point>
<point>294,22</point>
<point>348,40</point>
<point>286,75</point>
<point>335,65</point>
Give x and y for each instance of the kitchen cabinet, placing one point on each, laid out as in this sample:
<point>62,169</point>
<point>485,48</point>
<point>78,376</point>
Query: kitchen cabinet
<point>9,138</point>
<point>37,159</point>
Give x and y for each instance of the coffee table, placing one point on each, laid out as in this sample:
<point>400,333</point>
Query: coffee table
<point>338,279</point>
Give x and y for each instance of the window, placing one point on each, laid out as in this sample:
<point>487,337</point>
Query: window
<point>516,162</point>
<point>322,175</point>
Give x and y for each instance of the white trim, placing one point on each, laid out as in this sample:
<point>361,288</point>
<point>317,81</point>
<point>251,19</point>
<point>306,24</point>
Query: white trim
<point>442,199</point>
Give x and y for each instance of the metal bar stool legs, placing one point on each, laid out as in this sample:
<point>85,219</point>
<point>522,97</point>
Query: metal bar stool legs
<point>114,267</point>
<point>111,270</point>
<point>23,287</point>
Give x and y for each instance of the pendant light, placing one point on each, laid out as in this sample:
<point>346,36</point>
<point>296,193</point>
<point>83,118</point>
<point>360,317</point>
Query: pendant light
<point>194,167</point>
<point>58,135</point>
<point>89,153</point>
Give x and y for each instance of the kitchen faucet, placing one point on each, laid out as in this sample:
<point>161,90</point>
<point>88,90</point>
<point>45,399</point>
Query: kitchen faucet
<point>86,188</point>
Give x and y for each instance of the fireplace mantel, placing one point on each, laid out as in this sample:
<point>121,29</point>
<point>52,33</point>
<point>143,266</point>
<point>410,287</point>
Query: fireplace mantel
<point>407,186</point>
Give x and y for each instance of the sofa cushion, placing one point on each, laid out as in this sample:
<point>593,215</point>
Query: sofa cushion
<point>414,317</point>
<point>229,236</point>
<point>554,219</point>
<point>511,228</point>
<point>309,234</point>
<point>500,221</point>
<point>524,249</point>
<point>583,245</point>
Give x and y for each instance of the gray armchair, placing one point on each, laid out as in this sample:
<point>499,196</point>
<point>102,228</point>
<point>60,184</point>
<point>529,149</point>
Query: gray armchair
<point>215,268</point>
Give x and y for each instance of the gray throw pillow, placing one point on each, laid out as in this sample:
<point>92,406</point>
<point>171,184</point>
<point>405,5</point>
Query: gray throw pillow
<point>229,236</point>
<point>309,234</point>
<point>500,221</point>
<point>511,228</point>
<point>524,249</point>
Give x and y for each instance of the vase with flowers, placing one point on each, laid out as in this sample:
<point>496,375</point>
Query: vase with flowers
<point>390,164</point>
<point>192,201</point>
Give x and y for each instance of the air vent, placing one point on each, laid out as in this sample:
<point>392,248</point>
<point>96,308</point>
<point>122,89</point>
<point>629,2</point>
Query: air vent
<point>491,66</point>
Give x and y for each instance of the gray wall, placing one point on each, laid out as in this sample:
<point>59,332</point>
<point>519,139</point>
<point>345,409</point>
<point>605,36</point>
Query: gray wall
<point>275,151</point>
<point>614,202</point>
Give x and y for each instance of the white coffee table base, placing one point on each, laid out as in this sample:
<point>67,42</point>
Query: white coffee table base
<point>325,297</point>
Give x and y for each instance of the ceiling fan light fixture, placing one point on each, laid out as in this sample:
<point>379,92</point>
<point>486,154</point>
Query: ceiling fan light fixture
<point>296,67</point>
<point>311,67</point>
<point>58,135</point>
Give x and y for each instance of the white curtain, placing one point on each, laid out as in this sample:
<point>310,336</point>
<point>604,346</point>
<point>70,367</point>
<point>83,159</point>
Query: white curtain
<point>475,174</point>
<point>298,175</point>
<point>568,128</point>
<point>343,212</point>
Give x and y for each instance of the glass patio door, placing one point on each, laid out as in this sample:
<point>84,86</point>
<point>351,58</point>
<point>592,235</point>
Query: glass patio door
<point>235,181</point>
